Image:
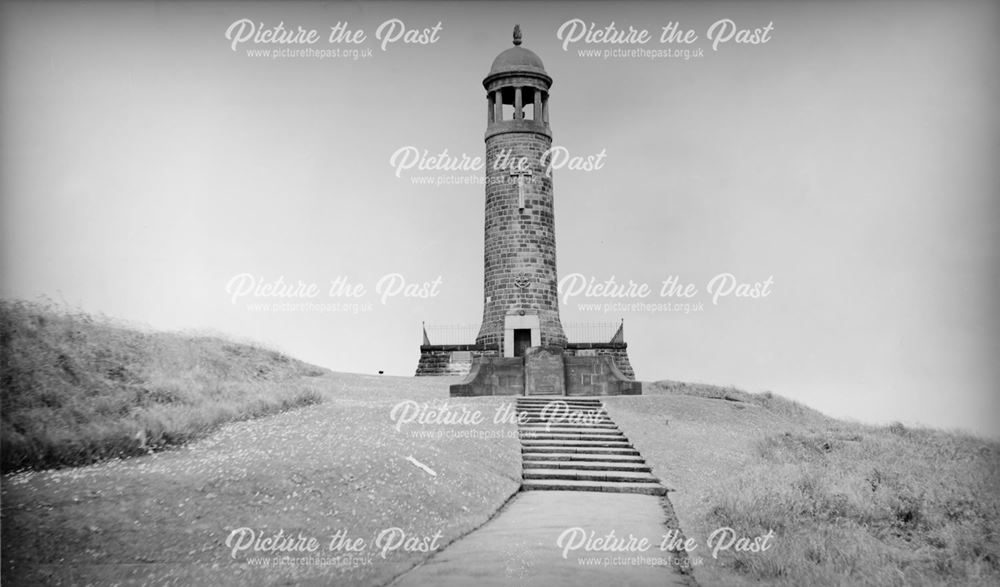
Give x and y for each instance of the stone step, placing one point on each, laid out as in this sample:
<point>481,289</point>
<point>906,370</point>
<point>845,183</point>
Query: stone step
<point>557,402</point>
<point>542,424</point>
<point>601,465</point>
<point>556,438</point>
<point>560,409</point>
<point>577,430</point>
<point>578,449</point>
<point>555,427</point>
<point>571,430</point>
<point>578,419</point>
<point>536,411</point>
<point>591,475</point>
<point>567,422</point>
<point>581,457</point>
<point>603,486</point>
<point>602,438</point>
<point>558,406</point>
<point>557,398</point>
<point>597,464</point>
<point>587,420</point>
<point>619,443</point>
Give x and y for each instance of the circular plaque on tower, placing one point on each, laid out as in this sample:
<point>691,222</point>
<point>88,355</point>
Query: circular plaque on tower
<point>522,280</point>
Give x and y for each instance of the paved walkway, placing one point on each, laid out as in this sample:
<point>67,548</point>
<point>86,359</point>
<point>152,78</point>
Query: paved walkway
<point>519,546</point>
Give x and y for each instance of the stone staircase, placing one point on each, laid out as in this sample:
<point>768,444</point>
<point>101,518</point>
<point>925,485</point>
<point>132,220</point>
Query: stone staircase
<point>574,446</point>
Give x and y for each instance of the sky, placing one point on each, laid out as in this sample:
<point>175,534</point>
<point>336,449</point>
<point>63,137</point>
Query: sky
<point>152,166</point>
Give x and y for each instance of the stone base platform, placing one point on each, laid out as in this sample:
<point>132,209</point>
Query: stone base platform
<point>456,359</point>
<point>545,371</point>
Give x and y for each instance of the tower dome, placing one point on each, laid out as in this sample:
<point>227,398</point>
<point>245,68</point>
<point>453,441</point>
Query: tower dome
<point>517,91</point>
<point>517,59</point>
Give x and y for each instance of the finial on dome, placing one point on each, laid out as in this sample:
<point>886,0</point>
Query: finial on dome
<point>517,35</point>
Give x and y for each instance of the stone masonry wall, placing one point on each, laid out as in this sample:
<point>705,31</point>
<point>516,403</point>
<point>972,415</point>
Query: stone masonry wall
<point>519,242</point>
<point>618,351</point>
<point>443,359</point>
<point>449,359</point>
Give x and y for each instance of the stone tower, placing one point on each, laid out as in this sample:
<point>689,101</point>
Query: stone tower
<point>521,348</point>
<point>520,284</point>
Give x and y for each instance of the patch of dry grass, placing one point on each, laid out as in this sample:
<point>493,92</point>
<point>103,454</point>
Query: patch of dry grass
<point>868,506</point>
<point>773,403</point>
<point>849,504</point>
<point>78,388</point>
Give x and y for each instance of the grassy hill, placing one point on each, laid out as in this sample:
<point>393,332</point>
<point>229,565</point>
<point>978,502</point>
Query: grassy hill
<point>76,389</point>
<point>849,504</point>
<point>81,390</point>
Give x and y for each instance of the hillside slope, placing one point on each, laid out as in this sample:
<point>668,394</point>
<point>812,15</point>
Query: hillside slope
<point>341,467</point>
<point>849,504</point>
<point>76,389</point>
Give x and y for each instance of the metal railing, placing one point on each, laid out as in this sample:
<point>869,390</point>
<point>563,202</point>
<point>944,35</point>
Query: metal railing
<point>590,331</point>
<point>451,333</point>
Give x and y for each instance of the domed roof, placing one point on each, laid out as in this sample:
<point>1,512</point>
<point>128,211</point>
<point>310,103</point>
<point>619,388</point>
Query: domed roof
<point>517,58</point>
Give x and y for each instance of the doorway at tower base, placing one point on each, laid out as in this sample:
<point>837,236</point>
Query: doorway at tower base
<point>545,371</point>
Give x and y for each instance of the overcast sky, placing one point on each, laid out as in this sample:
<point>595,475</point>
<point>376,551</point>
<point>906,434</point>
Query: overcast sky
<point>850,159</point>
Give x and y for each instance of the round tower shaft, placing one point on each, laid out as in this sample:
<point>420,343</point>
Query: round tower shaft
<point>520,283</point>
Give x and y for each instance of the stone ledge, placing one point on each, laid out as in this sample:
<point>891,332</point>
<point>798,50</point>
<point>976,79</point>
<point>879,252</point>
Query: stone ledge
<point>596,345</point>
<point>452,347</point>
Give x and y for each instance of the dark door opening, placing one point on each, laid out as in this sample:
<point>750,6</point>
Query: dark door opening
<point>522,340</point>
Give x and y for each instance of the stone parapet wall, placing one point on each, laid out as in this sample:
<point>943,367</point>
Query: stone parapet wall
<point>456,359</point>
<point>618,351</point>
<point>597,376</point>
<point>492,376</point>
<point>449,359</point>
<point>545,371</point>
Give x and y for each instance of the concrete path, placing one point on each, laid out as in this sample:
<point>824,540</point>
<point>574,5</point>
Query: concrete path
<point>520,546</point>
